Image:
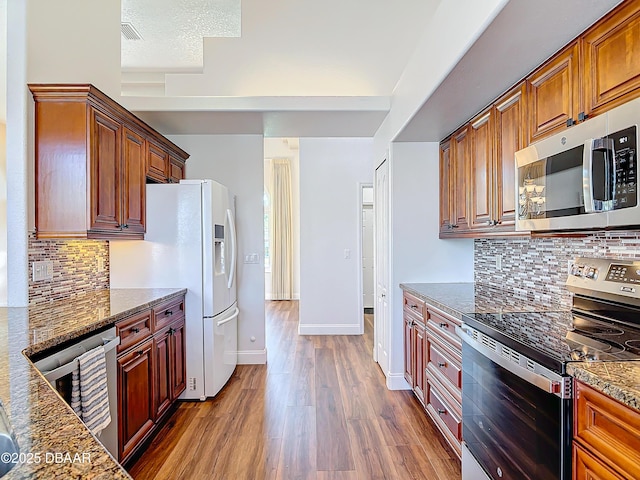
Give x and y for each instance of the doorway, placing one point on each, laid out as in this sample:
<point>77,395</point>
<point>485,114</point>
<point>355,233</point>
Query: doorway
<point>367,250</point>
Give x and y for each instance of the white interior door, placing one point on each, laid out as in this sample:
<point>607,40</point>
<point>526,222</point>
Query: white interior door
<point>381,311</point>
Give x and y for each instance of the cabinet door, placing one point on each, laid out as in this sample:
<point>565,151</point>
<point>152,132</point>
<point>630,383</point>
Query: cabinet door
<point>446,200</point>
<point>553,94</point>
<point>481,175</point>
<point>135,409</point>
<point>612,60</point>
<point>587,467</point>
<point>133,183</point>
<point>510,132</point>
<point>176,170</point>
<point>105,137</point>
<point>418,354</point>
<point>408,349</point>
<point>162,366</point>
<point>157,163</point>
<point>460,157</point>
<point>178,360</point>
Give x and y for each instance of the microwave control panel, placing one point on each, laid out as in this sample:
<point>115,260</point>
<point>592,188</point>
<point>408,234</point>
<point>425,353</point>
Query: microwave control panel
<point>626,167</point>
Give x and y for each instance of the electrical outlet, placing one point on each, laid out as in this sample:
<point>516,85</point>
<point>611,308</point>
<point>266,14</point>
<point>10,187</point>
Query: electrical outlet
<point>192,383</point>
<point>42,270</point>
<point>252,258</point>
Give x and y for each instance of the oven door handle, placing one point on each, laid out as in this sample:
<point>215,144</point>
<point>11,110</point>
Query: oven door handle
<point>553,386</point>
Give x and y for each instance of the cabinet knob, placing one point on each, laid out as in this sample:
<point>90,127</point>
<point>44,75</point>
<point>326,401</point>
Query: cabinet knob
<point>443,325</point>
<point>135,329</point>
<point>441,411</point>
<point>171,331</point>
<point>442,364</point>
<point>140,352</point>
<point>414,306</point>
<point>125,226</point>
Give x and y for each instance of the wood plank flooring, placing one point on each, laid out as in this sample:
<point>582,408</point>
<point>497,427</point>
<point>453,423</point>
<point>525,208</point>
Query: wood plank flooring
<point>318,410</point>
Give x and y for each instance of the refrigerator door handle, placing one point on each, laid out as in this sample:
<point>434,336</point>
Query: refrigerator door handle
<point>229,318</point>
<point>232,229</point>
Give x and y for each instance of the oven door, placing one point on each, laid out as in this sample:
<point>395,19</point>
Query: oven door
<point>513,425</point>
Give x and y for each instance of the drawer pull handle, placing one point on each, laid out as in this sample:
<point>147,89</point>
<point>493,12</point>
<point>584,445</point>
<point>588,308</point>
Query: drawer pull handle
<point>443,325</point>
<point>135,329</point>
<point>168,312</point>
<point>171,331</point>
<point>414,306</point>
<point>442,364</point>
<point>441,411</point>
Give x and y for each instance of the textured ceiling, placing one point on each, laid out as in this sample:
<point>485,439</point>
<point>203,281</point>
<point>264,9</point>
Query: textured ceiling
<point>172,30</point>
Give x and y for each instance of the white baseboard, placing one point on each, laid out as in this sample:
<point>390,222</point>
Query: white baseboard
<point>396,381</point>
<point>323,329</point>
<point>252,357</point>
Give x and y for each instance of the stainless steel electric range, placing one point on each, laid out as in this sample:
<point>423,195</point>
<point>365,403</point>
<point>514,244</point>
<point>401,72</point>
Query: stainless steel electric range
<point>516,394</point>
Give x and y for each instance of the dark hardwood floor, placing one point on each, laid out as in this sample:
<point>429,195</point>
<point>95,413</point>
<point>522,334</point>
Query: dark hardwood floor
<point>318,410</point>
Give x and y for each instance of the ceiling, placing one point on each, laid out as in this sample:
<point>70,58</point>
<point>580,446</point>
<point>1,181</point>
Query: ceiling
<point>303,68</point>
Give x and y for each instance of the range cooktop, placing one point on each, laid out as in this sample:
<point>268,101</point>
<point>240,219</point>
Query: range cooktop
<point>603,324</point>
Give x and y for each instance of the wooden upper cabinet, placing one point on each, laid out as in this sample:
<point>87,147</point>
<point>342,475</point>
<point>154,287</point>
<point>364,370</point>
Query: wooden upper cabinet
<point>133,179</point>
<point>90,166</point>
<point>445,193</point>
<point>460,149</point>
<point>105,135</point>
<point>553,94</point>
<point>176,169</point>
<point>481,170</point>
<point>611,51</point>
<point>510,136</point>
<point>157,163</point>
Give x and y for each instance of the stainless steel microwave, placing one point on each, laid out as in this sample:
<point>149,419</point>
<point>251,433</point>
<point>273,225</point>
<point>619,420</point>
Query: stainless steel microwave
<point>582,178</point>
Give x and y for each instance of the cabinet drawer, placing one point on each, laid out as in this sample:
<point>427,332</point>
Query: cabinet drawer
<point>444,326</point>
<point>414,305</point>
<point>133,330</point>
<point>167,312</point>
<point>608,428</point>
<point>442,362</point>
<point>440,406</point>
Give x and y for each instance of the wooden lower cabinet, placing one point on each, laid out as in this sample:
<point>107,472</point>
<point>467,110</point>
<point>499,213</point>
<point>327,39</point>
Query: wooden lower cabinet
<point>606,436</point>
<point>135,408</point>
<point>433,365</point>
<point>151,373</point>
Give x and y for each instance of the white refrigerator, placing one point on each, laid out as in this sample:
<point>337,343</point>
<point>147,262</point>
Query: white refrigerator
<point>190,243</point>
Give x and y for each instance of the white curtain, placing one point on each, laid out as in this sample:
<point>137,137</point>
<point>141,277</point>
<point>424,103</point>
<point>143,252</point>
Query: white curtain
<point>281,232</point>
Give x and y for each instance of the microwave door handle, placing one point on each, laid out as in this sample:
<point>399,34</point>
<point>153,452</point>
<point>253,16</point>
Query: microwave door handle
<point>587,176</point>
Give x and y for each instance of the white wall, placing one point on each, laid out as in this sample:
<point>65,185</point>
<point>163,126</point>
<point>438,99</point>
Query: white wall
<point>44,45</point>
<point>331,170</point>
<point>417,254</point>
<point>237,161</point>
<point>3,215</point>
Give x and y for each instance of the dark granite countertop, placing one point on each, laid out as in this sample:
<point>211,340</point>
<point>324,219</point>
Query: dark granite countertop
<point>458,298</point>
<point>53,442</point>
<point>619,380</point>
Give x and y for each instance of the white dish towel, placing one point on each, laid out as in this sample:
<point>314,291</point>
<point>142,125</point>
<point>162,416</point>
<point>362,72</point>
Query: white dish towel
<point>89,394</point>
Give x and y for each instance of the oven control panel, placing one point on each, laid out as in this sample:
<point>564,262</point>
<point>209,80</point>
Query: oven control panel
<point>617,277</point>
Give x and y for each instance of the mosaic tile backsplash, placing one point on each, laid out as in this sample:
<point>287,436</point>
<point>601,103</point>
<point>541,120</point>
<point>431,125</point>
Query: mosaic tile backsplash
<point>75,268</point>
<point>536,268</point>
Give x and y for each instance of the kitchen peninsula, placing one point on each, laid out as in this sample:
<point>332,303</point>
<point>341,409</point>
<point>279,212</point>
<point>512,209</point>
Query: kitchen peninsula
<point>52,441</point>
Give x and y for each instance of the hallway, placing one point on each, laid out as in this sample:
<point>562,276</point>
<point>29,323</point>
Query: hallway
<point>318,410</point>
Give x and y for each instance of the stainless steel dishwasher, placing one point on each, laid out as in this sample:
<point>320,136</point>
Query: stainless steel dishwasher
<point>58,367</point>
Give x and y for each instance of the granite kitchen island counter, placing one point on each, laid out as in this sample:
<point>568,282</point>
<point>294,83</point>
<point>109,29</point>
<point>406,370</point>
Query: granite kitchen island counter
<point>53,442</point>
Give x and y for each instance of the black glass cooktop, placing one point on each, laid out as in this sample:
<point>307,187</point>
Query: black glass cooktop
<point>555,338</point>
